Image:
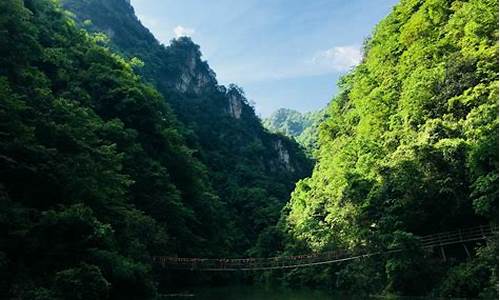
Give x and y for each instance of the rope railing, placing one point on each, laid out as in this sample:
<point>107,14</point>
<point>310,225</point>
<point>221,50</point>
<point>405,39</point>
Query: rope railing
<point>458,236</point>
<point>285,262</point>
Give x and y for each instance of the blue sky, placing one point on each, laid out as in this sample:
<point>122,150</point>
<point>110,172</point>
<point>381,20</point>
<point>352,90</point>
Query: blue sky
<point>283,53</point>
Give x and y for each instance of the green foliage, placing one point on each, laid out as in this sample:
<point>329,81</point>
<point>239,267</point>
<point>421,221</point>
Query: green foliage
<point>410,145</point>
<point>92,159</point>
<point>39,294</point>
<point>408,272</point>
<point>287,121</point>
<point>302,127</point>
<point>361,278</point>
<point>251,170</point>
<point>98,175</point>
<point>478,276</point>
<point>83,282</point>
<point>130,279</point>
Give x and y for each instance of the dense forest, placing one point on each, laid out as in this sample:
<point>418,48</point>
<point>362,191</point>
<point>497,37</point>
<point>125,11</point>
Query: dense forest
<point>252,171</point>
<point>116,148</point>
<point>98,172</point>
<point>409,147</point>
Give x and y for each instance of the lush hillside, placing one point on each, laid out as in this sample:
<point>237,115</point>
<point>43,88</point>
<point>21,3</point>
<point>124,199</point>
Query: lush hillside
<point>287,121</point>
<point>303,127</point>
<point>115,148</point>
<point>95,174</point>
<point>410,147</point>
<point>252,171</point>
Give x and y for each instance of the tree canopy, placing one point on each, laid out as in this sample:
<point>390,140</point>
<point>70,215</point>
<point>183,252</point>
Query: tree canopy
<point>115,148</point>
<point>410,147</point>
<point>252,171</point>
<point>95,173</point>
<point>303,127</point>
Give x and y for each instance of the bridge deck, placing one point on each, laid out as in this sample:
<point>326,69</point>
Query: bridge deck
<point>287,262</point>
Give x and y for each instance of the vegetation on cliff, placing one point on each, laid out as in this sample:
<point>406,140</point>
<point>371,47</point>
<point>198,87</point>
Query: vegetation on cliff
<point>115,148</point>
<point>252,171</point>
<point>303,127</point>
<point>410,147</point>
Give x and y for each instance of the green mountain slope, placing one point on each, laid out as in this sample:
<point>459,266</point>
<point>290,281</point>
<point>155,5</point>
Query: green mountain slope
<point>252,170</point>
<point>96,175</point>
<point>302,127</point>
<point>410,147</point>
<point>115,149</point>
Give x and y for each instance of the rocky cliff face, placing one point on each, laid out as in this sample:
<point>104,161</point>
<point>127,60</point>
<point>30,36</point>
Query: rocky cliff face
<point>192,74</point>
<point>283,155</point>
<point>235,105</point>
<point>177,66</point>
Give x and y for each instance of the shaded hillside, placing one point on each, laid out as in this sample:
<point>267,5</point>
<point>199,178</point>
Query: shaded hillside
<point>252,170</point>
<point>95,174</point>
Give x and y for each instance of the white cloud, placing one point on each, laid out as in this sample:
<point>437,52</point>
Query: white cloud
<point>183,31</point>
<point>340,58</point>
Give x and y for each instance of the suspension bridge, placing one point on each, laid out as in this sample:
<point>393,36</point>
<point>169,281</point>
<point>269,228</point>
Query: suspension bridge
<point>429,242</point>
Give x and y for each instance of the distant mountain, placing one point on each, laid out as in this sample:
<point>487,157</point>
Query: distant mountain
<point>287,121</point>
<point>253,171</point>
<point>303,127</point>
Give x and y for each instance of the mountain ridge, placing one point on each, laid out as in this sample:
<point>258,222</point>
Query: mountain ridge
<point>220,123</point>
